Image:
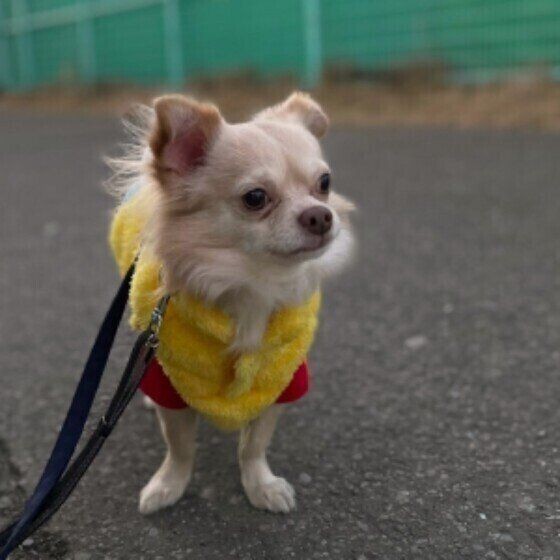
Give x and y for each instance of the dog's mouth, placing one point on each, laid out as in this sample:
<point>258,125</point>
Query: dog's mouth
<point>311,248</point>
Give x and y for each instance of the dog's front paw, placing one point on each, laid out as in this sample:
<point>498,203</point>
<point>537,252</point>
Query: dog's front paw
<point>163,490</point>
<point>276,495</point>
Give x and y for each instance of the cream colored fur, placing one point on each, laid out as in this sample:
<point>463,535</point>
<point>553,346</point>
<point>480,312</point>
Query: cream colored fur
<point>211,245</point>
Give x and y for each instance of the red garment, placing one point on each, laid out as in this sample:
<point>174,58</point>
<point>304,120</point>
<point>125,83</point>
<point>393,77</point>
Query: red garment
<point>157,386</point>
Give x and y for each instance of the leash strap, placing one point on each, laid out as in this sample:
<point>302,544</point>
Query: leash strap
<point>58,480</point>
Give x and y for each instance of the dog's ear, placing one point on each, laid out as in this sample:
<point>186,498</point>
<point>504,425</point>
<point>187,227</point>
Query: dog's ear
<point>184,130</point>
<point>301,108</point>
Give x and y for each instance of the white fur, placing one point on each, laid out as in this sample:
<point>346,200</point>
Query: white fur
<point>169,482</point>
<point>263,488</point>
<point>212,246</point>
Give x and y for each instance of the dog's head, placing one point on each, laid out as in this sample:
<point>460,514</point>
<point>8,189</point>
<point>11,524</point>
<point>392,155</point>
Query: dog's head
<point>241,200</point>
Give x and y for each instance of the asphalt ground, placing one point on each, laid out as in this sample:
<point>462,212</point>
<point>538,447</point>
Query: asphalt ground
<point>432,428</point>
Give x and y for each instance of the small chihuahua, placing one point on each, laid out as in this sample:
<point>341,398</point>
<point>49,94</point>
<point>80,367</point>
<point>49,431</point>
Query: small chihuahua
<point>244,217</point>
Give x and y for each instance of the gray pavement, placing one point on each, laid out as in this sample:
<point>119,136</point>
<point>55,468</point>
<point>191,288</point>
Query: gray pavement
<point>432,427</point>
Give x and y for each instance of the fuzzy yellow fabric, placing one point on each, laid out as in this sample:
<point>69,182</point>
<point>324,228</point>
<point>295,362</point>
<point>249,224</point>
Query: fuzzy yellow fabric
<point>230,390</point>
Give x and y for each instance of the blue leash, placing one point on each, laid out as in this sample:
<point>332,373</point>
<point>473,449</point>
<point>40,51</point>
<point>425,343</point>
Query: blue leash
<point>58,479</point>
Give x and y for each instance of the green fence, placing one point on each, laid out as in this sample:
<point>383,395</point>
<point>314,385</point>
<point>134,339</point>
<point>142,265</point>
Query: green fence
<point>173,41</point>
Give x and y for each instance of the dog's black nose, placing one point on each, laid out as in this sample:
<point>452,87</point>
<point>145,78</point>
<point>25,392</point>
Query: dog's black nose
<point>317,220</point>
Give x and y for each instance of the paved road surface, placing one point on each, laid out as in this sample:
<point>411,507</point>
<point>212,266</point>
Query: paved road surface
<point>432,429</point>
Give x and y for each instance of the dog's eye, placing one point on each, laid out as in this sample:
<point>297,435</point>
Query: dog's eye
<point>256,199</point>
<point>325,183</point>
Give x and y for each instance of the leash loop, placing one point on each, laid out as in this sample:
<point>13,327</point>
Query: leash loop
<point>61,475</point>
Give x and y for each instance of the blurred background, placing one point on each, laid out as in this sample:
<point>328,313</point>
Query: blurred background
<point>431,431</point>
<point>460,61</point>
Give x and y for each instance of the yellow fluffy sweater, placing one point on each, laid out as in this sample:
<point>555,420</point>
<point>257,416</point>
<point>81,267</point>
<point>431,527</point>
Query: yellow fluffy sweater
<point>230,390</point>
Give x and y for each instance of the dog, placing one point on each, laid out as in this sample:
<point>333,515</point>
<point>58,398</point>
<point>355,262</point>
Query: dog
<point>242,219</point>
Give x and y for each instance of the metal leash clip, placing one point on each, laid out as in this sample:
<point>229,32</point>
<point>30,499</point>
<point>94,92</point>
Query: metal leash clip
<point>156,321</point>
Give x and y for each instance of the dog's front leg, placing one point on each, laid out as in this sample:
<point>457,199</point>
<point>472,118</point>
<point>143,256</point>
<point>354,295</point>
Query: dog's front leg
<point>263,488</point>
<point>170,481</point>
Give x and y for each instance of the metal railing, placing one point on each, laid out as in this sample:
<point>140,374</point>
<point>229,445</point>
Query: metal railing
<point>172,41</point>
<point>22,24</point>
